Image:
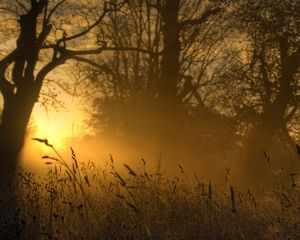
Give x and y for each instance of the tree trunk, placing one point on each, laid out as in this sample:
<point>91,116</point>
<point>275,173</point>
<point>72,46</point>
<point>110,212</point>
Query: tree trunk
<point>168,102</point>
<point>273,117</point>
<point>170,59</point>
<point>15,116</point>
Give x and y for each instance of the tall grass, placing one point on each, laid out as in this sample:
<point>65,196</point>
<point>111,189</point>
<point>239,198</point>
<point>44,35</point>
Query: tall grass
<point>77,200</point>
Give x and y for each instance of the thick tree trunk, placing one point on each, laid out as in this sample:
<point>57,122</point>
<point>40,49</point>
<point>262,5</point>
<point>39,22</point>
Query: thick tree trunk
<point>170,60</point>
<point>168,102</point>
<point>15,116</point>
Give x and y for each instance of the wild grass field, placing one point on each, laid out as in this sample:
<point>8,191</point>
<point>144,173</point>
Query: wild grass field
<point>77,200</point>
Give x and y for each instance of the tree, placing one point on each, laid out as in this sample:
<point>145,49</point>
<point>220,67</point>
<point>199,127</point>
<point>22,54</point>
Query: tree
<point>265,76</point>
<point>48,34</point>
<point>156,88</point>
<point>130,80</point>
<point>38,35</point>
<point>194,15</point>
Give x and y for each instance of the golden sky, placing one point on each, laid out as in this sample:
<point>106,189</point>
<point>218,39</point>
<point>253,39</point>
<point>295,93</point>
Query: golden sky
<point>58,126</point>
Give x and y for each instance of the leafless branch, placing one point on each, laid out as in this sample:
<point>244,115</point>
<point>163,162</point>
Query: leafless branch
<point>202,19</point>
<point>53,10</point>
<point>72,53</point>
<point>105,11</point>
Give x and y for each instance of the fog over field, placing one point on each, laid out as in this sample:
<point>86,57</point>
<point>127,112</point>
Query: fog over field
<point>149,119</point>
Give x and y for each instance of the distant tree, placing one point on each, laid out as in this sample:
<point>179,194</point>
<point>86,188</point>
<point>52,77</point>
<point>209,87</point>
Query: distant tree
<point>129,80</point>
<point>144,90</point>
<point>182,21</point>
<point>262,83</point>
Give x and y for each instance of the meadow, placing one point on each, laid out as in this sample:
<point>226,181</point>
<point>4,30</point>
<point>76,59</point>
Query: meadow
<point>78,200</point>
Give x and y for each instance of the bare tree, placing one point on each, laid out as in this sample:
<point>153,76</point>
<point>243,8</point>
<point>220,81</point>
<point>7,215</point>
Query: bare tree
<point>264,79</point>
<point>39,35</point>
<point>157,86</point>
<point>46,34</point>
<point>131,81</point>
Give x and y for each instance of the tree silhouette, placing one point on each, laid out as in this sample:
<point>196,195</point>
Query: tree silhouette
<point>150,93</point>
<point>36,37</point>
<point>44,41</point>
<point>264,78</point>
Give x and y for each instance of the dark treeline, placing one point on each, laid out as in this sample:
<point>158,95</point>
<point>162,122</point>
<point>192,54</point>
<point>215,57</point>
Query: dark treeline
<point>210,82</point>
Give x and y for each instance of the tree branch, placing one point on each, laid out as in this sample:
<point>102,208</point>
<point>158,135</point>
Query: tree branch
<point>6,88</point>
<point>22,5</point>
<point>102,49</point>
<point>53,11</point>
<point>105,11</point>
<point>6,61</point>
<point>47,69</point>
<point>202,19</point>
<point>102,67</point>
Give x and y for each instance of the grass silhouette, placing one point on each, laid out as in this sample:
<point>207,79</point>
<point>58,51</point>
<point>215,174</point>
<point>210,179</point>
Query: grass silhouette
<point>77,200</point>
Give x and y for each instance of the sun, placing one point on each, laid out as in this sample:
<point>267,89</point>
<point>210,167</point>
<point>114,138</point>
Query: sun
<point>53,131</point>
<point>56,126</point>
<point>60,128</point>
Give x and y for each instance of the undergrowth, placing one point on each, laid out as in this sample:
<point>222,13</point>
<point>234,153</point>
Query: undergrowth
<point>77,200</point>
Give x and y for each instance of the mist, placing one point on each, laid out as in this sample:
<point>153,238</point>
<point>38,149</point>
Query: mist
<point>149,119</point>
<point>206,94</point>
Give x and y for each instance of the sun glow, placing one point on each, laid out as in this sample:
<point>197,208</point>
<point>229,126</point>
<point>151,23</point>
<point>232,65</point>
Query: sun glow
<point>58,127</point>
